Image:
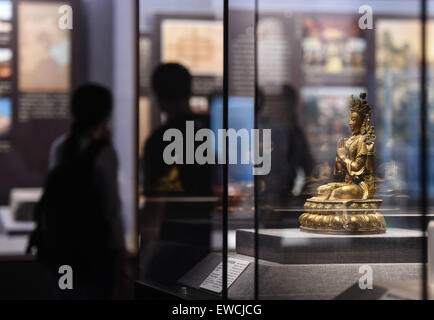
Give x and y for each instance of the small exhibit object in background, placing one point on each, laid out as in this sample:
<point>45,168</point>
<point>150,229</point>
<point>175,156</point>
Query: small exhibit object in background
<point>6,12</point>
<point>5,116</point>
<point>23,202</point>
<point>6,56</point>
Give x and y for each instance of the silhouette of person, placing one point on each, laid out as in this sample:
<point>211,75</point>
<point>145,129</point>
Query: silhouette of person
<point>79,222</point>
<point>171,83</point>
<point>183,223</point>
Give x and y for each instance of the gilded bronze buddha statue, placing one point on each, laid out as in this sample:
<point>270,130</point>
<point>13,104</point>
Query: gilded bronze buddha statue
<point>349,206</point>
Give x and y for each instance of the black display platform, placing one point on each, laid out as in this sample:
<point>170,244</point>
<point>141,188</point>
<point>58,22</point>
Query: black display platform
<point>304,281</point>
<point>292,246</point>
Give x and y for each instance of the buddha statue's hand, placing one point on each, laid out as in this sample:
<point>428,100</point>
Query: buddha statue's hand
<point>341,150</point>
<point>342,153</point>
<point>340,167</point>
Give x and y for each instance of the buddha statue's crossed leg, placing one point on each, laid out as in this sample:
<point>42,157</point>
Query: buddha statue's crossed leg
<point>324,192</point>
<point>350,191</point>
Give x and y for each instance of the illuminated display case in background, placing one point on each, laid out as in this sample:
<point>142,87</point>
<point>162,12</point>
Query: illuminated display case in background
<point>295,75</point>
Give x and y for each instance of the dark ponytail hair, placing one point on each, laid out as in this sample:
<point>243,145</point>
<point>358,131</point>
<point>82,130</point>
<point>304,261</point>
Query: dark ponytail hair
<point>91,104</point>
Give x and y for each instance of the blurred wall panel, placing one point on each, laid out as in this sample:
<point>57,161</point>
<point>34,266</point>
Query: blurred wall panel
<point>97,41</point>
<point>124,125</point>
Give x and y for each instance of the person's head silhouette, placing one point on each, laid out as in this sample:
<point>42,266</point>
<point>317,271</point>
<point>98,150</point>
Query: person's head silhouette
<point>171,83</point>
<point>91,109</point>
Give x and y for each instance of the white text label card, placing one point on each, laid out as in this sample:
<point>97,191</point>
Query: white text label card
<point>214,281</point>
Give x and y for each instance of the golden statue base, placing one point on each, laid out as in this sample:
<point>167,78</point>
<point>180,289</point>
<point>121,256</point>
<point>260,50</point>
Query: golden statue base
<point>343,217</point>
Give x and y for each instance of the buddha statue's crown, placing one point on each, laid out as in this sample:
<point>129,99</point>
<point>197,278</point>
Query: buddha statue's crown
<point>360,105</point>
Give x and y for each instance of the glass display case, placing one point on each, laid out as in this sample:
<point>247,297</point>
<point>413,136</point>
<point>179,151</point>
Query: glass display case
<point>316,181</point>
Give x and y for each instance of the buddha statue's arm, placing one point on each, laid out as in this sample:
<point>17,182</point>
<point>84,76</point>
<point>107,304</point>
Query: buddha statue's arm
<point>357,164</point>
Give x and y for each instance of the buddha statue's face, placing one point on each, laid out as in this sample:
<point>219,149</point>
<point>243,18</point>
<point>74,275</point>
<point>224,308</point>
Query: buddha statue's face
<point>355,122</point>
